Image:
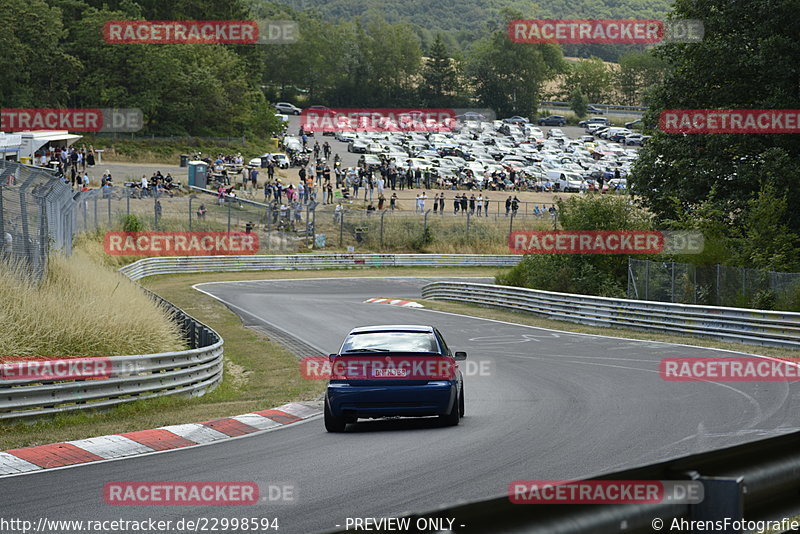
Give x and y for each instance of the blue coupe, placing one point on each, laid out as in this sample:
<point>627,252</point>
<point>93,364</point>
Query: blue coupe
<point>390,371</point>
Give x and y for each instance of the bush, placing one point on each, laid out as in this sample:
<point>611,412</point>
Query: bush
<point>132,223</point>
<point>590,274</point>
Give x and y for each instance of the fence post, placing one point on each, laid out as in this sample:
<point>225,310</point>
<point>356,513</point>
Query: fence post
<point>632,280</point>
<point>43,237</point>
<point>719,280</point>
<point>672,287</point>
<point>269,225</point>
<point>382,216</point>
<point>128,202</point>
<point>2,224</point>
<point>511,224</point>
<point>425,224</point>
<point>468,216</point>
<point>96,221</point>
<point>229,214</point>
<point>109,211</point>
<point>341,228</point>
<point>647,280</point>
<point>190,214</point>
<point>308,209</point>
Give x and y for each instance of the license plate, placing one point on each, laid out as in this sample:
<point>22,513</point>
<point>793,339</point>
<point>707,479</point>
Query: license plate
<point>389,373</point>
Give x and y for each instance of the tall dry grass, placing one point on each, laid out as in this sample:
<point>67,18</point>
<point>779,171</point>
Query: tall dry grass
<point>82,308</point>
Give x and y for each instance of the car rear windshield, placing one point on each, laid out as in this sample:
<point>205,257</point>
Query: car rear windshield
<point>391,342</point>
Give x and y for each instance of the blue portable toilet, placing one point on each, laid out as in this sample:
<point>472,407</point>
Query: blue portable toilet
<point>198,174</point>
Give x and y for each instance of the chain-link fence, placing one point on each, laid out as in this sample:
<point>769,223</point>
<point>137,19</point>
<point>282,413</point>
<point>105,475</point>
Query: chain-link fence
<point>715,285</point>
<point>36,215</point>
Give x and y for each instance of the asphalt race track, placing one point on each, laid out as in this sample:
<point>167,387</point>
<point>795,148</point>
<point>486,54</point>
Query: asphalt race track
<point>554,406</point>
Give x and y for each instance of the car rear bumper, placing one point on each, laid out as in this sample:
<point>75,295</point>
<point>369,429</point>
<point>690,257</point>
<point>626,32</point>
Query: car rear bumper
<point>433,398</point>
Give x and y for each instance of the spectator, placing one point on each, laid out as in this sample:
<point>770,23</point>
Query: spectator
<point>201,211</point>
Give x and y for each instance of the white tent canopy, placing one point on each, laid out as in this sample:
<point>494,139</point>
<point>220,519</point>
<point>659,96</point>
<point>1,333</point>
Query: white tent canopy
<point>34,140</point>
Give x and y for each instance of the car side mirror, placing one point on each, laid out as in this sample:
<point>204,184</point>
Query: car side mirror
<point>332,356</point>
<point>460,356</point>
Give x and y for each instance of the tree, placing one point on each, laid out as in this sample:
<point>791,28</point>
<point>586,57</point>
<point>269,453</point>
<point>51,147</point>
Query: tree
<point>439,76</point>
<point>636,74</point>
<point>590,274</point>
<point>748,60</point>
<point>579,103</point>
<point>591,77</point>
<point>507,77</point>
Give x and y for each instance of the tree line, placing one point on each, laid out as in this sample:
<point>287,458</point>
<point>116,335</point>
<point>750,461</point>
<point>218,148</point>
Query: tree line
<point>55,56</point>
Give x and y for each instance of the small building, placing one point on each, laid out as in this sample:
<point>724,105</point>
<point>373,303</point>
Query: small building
<point>10,145</point>
<point>36,140</point>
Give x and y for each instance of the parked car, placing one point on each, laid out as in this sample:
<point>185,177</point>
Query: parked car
<point>516,119</point>
<point>358,146</point>
<point>632,139</point>
<point>287,108</point>
<point>594,120</point>
<point>619,135</point>
<point>595,109</point>
<point>372,161</point>
<point>566,181</point>
<point>553,120</point>
<point>387,382</point>
<point>637,124</point>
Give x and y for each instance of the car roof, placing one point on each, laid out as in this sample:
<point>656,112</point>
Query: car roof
<point>391,328</point>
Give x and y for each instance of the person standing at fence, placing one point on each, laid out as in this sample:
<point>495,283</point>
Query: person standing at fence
<point>508,206</point>
<point>479,204</point>
<point>456,204</point>
<point>441,204</point>
<point>436,203</point>
<point>393,201</point>
<point>253,180</point>
<point>486,206</point>
<point>472,204</point>
<point>381,201</point>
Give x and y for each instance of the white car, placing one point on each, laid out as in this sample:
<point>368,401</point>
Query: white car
<point>566,180</point>
<point>287,108</point>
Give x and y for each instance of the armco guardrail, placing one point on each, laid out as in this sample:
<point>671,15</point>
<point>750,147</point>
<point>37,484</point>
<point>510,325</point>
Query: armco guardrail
<point>205,264</point>
<point>755,327</point>
<point>751,482</point>
<point>120,378</point>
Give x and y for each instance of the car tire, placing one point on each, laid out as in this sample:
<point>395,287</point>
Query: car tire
<point>333,423</point>
<point>461,403</point>
<point>297,113</point>
<point>452,418</point>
